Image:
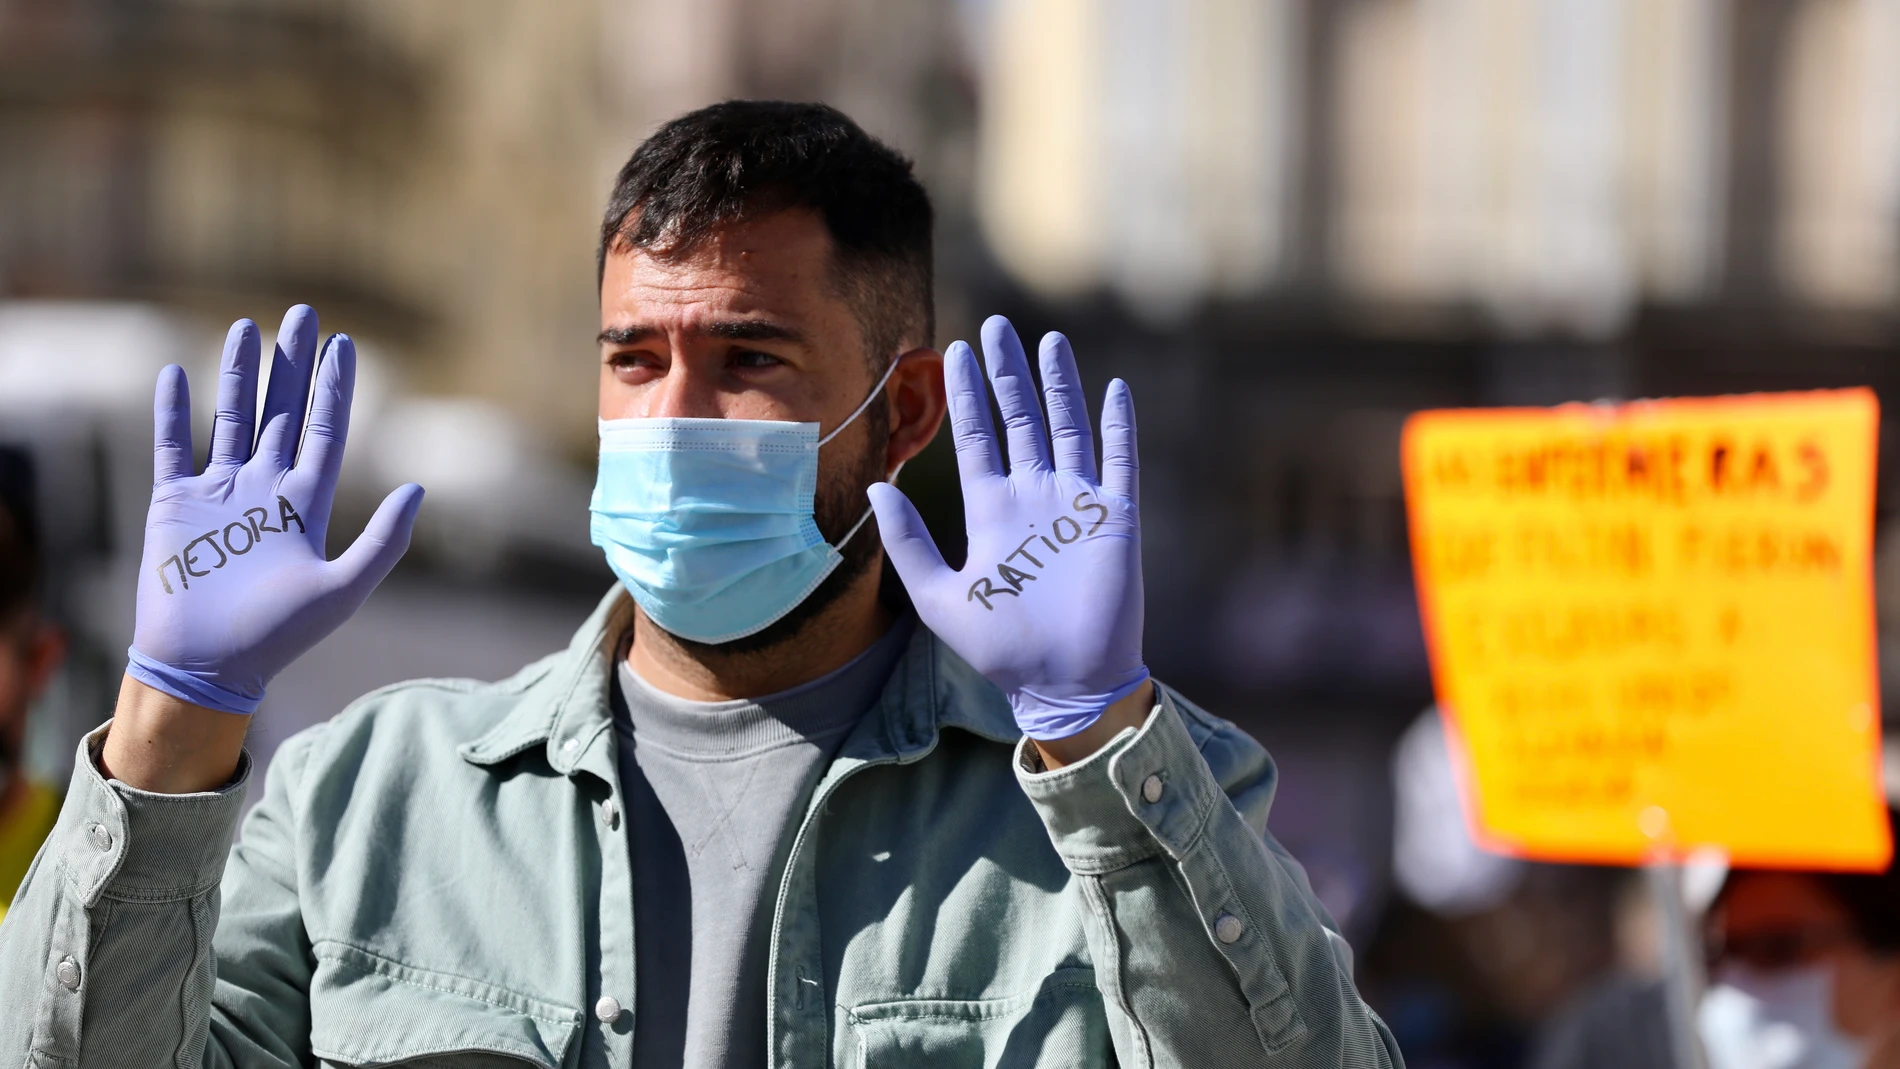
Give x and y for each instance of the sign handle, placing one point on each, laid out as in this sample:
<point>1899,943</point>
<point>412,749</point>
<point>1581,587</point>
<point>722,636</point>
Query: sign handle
<point>1683,978</point>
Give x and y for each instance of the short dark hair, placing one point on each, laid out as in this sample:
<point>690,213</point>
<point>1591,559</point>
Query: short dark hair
<point>747,158</point>
<point>20,555</point>
<point>1870,899</point>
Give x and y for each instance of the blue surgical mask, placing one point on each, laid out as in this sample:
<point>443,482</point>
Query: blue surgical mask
<point>708,522</point>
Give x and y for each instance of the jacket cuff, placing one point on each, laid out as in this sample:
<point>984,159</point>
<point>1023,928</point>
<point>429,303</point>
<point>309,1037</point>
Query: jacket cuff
<point>1145,793</point>
<point>113,839</point>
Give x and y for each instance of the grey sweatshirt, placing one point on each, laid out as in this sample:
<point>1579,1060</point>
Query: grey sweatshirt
<point>713,790</point>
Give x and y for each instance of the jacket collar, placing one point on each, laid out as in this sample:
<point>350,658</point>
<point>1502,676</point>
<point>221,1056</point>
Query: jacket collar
<point>567,706</point>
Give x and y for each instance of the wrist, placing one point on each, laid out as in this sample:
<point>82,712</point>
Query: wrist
<point>163,744</point>
<point>1129,711</point>
<point>192,688</point>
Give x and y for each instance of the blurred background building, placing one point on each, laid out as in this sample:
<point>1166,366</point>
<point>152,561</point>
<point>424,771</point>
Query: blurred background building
<point>1287,223</point>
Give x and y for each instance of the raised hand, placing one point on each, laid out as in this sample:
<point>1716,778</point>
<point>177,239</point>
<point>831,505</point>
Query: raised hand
<point>234,585</point>
<point>1048,605</point>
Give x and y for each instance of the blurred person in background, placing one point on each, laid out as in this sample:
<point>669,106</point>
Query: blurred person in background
<point>766,809</point>
<point>1805,971</point>
<point>1620,1021</point>
<point>1481,948</point>
<point>30,651</point>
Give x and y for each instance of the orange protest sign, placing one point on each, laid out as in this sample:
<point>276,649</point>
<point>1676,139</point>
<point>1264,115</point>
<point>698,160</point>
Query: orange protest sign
<point>1652,625</point>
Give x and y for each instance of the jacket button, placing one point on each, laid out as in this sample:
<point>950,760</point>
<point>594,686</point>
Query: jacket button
<point>1151,789</point>
<point>68,974</point>
<point>1228,929</point>
<point>100,837</point>
<point>607,1009</point>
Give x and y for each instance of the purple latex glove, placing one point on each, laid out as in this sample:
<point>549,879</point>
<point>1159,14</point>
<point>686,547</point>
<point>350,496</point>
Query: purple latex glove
<point>1048,605</point>
<point>234,584</point>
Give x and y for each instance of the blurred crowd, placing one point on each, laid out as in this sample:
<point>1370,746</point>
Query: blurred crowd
<point>1287,223</point>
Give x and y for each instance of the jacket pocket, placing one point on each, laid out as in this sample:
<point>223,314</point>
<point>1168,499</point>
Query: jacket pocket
<point>368,1010</point>
<point>1062,1023</point>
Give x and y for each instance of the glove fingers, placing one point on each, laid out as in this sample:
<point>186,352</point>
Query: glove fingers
<point>233,429</point>
<point>970,425</point>
<point>321,455</point>
<point>171,427</point>
<point>1069,435</point>
<point>1015,396</point>
<point>383,541</point>
<point>1120,466</point>
<point>913,552</point>
<point>289,389</point>
<point>274,440</point>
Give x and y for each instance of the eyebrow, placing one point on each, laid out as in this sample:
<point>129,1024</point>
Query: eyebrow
<point>728,329</point>
<point>625,335</point>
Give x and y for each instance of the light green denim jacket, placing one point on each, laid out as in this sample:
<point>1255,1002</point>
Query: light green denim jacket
<point>431,880</point>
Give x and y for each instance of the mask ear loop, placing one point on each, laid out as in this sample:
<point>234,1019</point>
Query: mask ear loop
<point>876,392</point>
<point>848,535</point>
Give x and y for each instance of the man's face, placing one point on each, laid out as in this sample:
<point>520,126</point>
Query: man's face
<point>1775,921</point>
<point>751,324</point>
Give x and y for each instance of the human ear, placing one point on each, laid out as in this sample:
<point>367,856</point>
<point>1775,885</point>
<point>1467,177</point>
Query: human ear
<point>917,404</point>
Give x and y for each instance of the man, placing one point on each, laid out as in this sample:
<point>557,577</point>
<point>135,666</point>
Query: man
<point>1806,971</point>
<point>1804,974</point>
<point>754,814</point>
<point>31,648</point>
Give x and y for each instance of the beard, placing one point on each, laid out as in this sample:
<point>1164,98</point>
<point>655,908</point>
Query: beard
<point>836,507</point>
